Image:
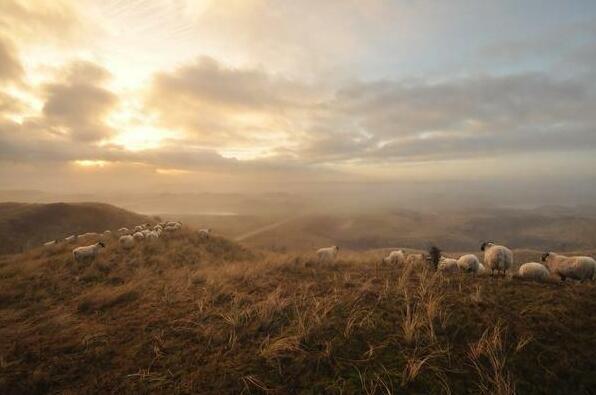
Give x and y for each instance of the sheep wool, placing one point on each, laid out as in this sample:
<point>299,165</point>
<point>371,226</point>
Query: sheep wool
<point>395,257</point>
<point>580,268</point>
<point>127,241</point>
<point>497,257</point>
<point>468,263</point>
<point>448,265</point>
<point>327,254</point>
<point>81,254</point>
<point>533,271</point>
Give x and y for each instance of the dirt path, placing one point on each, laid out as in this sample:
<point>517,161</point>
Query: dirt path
<point>263,229</point>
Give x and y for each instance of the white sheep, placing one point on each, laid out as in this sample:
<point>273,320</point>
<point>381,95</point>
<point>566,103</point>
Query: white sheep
<point>448,265</point>
<point>205,232</point>
<point>416,259</point>
<point>107,233</point>
<point>138,236</point>
<point>172,228</point>
<point>139,228</point>
<point>496,257</point>
<point>481,268</point>
<point>158,227</point>
<point>123,231</point>
<point>127,241</point>
<point>576,267</point>
<point>145,232</point>
<point>89,235</point>
<point>71,239</point>
<point>468,263</point>
<point>327,254</point>
<point>81,254</point>
<point>533,271</point>
<point>396,257</point>
<point>152,235</point>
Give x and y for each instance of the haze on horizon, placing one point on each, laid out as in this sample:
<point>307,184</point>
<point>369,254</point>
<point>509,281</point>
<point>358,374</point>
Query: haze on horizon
<point>495,98</point>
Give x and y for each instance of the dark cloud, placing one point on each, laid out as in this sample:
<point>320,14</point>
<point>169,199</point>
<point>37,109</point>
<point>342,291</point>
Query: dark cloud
<point>474,117</point>
<point>80,103</point>
<point>216,104</point>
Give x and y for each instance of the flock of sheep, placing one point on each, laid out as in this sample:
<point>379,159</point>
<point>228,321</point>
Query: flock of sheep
<point>127,238</point>
<point>496,258</point>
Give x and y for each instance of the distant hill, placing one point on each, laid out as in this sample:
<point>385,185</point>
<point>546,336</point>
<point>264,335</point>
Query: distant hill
<point>560,230</point>
<point>23,225</point>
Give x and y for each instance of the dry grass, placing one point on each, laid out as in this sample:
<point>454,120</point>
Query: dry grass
<point>188,315</point>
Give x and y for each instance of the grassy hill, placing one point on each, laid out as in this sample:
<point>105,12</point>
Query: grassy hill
<point>25,225</point>
<point>193,315</point>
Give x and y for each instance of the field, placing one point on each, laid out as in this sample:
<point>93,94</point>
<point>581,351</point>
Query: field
<point>189,314</point>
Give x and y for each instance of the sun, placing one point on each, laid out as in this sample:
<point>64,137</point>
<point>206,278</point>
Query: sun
<point>140,138</point>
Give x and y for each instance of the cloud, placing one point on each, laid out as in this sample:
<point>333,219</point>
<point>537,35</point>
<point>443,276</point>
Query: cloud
<point>10,66</point>
<point>470,117</point>
<point>29,20</point>
<point>218,105</point>
<point>80,103</point>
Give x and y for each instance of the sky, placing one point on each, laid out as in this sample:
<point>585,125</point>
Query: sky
<point>244,95</point>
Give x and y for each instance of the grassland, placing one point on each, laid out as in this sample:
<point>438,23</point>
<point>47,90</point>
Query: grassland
<point>195,315</point>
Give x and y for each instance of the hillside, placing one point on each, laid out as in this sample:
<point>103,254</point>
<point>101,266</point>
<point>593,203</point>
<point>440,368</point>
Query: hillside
<point>452,230</point>
<point>25,225</point>
<point>188,314</point>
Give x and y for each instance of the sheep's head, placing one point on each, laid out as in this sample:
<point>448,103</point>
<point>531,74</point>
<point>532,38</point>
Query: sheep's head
<point>545,256</point>
<point>486,244</point>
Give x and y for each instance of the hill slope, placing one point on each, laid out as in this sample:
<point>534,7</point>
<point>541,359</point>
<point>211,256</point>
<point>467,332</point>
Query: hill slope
<point>188,314</point>
<point>560,231</point>
<point>25,225</point>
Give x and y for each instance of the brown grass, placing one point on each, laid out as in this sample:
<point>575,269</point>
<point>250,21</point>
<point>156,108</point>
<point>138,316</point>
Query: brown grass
<point>188,315</point>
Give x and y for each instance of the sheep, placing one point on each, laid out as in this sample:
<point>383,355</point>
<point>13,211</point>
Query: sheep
<point>138,236</point>
<point>71,239</point>
<point>50,243</point>
<point>145,232</point>
<point>158,227</point>
<point>123,231</point>
<point>395,257</point>
<point>576,267</point>
<point>448,265</point>
<point>138,228</point>
<point>127,241</point>
<point>204,232</point>
<point>496,257</point>
<point>172,228</point>
<point>89,235</point>
<point>416,259</point>
<point>107,233</point>
<point>481,268</point>
<point>533,271</point>
<point>152,235</point>
<point>81,254</point>
<point>468,263</point>
<point>328,253</point>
